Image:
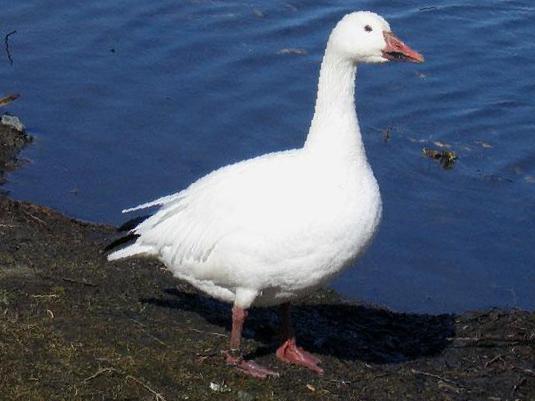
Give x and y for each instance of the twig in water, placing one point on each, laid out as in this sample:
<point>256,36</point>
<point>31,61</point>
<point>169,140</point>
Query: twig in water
<point>6,43</point>
<point>387,134</point>
<point>427,8</point>
<point>8,99</point>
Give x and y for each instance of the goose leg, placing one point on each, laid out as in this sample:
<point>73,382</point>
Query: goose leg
<point>234,356</point>
<point>289,351</point>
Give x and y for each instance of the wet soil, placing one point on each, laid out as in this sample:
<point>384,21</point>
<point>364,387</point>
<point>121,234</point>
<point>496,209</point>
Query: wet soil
<point>76,327</point>
<point>11,142</point>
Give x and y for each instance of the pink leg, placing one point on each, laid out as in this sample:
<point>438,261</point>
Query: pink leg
<point>234,356</point>
<point>289,351</point>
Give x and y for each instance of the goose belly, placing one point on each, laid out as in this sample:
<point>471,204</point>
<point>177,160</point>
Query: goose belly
<point>332,252</point>
<point>287,254</point>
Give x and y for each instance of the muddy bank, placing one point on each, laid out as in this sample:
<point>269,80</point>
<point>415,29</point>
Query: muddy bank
<point>12,140</point>
<point>75,327</point>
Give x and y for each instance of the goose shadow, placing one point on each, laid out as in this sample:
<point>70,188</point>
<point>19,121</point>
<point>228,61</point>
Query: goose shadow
<point>344,330</point>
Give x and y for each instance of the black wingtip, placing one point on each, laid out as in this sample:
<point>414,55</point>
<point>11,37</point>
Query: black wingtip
<point>127,226</point>
<point>121,241</point>
<point>133,223</point>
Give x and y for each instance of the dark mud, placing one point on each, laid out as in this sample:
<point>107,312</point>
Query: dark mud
<point>11,142</point>
<point>75,327</point>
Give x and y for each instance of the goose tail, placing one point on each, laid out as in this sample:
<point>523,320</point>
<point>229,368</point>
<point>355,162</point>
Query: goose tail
<point>131,250</point>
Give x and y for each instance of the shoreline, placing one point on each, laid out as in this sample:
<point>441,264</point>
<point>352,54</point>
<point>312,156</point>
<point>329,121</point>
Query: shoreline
<point>76,327</point>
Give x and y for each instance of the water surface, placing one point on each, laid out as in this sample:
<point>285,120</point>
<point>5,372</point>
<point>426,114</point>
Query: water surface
<point>132,100</point>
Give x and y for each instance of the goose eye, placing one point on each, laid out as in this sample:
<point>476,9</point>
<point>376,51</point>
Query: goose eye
<point>368,28</point>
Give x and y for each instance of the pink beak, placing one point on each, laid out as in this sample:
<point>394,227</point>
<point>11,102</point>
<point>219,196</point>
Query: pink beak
<point>396,50</point>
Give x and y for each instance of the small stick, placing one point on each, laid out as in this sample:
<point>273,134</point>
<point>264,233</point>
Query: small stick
<point>517,385</point>
<point>208,332</point>
<point>526,371</point>
<point>498,341</point>
<point>488,363</point>
<point>100,372</point>
<point>35,218</point>
<point>419,372</point>
<point>146,332</point>
<point>137,322</point>
<point>8,99</point>
<point>489,338</point>
<point>158,396</point>
<point>86,283</point>
<point>427,8</point>
<point>156,339</point>
<point>6,43</point>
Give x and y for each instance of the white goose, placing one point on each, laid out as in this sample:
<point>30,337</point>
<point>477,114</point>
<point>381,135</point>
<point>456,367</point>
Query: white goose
<point>271,229</point>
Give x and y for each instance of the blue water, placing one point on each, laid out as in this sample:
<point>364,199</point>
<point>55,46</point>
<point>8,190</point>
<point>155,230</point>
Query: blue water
<point>131,100</point>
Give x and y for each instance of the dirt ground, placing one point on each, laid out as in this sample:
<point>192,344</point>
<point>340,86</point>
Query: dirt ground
<point>76,327</point>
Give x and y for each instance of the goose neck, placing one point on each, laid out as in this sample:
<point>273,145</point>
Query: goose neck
<point>334,129</point>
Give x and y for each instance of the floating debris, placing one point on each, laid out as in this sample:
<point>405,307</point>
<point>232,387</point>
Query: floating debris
<point>291,7</point>
<point>258,13</point>
<point>6,46</point>
<point>293,51</point>
<point>441,144</point>
<point>417,140</point>
<point>446,157</point>
<point>494,178</point>
<point>387,134</point>
<point>8,99</point>
<point>484,144</point>
<point>12,122</point>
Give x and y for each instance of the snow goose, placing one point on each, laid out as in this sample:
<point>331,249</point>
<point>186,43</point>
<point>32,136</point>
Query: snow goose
<point>271,229</point>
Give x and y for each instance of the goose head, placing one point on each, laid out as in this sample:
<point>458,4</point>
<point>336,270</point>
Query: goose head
<point>365,37</point>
